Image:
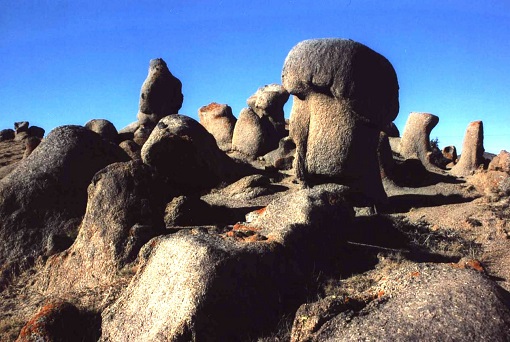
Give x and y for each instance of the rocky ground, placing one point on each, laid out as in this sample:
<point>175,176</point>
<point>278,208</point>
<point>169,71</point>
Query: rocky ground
<point>436,253</point>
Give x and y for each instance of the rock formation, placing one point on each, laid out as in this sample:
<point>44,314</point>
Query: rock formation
<point>123,213</point>
<point>282,157</point>
<point>6,134</point>
<point>501,162</point>
<point>260,127</point>
<point>47,194</point>
<point>226,287</point>
<point>450,153</point>
<point>344,94</point>
<point>472,150</point>
<point>415,142</point>
<point>219,121</point>
<point>184,153</point>
<point>160,96</point>
<point>104,128</point>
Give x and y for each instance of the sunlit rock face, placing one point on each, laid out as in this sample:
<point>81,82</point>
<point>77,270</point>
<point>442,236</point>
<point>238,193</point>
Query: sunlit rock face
<point>472,150</point>
<point>220,122</point>
<point>415,142</point>
<point>344,95</point>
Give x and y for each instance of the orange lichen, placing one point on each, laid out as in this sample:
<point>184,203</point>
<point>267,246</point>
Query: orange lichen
<point>415,274</point>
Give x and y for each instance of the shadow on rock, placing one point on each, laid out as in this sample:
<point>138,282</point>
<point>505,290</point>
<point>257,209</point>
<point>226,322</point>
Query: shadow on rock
<point>404,203</point>
<point>411,173</point>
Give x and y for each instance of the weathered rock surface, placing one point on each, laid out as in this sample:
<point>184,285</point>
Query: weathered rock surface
<point>48,192</point>
<point>282,157</point>
<point>30,145</point>
<point>415,142</point>
<point>160,94</point>
<point>132,149</point>
<point>220,122</point>
<point>35,131</point>
<point>182,150</point>
<point>450,153</point>
<point>472,150</point>
<point>124,211</point>
<point>201,286</point>
<point>439,303</point>
<point>6,134</point>
<point>344,94</point>
<point>104,128</point>
<point>501,162</point>
<point>269,101</point>
<point>261,126</point>
<point>55,321</point>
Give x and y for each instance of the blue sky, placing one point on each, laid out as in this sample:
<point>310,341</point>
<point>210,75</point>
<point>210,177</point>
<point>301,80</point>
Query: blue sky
<point>66,62</point>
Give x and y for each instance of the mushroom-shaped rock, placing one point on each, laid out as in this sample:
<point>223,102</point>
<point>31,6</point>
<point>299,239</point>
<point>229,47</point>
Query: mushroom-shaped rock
<point>47,195</point>
<point>193,285</point>
<point>124,211</point>
<point>415,142</point>
<point>344,95</point>
<point>104,128</point>
<point>160,94</point>
<point>220,122</point>
<point>182,151</point>
<point>472,150</point>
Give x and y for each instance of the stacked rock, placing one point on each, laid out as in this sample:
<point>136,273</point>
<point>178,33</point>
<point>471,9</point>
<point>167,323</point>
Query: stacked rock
<point>260,127</point>
<point>344,95</point>
<point>161,95</point>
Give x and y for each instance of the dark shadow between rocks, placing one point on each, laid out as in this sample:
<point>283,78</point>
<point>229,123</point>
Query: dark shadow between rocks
<point>411,173</point>
<point>404,203</point>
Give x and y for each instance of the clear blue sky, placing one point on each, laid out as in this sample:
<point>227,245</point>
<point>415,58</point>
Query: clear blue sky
<point>65,62</point>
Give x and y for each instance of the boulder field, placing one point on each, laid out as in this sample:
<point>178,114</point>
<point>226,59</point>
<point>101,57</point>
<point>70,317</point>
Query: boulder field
<point>325,227</point>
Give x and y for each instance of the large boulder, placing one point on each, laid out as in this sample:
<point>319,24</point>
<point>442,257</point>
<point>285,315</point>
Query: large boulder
<point>220,122</point>
<point>472,150</point>
<point>47,194</point>
<point>160,94</point>
<point>104,128</point>
<point>344,95</point>
<point>6,134</point>
<point>124,211</point>
<point>415,142</point>
<point>184,153</point>
<point>194,285</point>
<point>434,303</point>
<point>282,157</point>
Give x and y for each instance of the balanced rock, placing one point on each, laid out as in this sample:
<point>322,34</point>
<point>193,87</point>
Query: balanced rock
<point>472,150</point>
<point>123,212</point>
<point>183,152</point>
<point>21,126</point>
<point>269,101</point>
<point>160,94</point>
<point>415,142</point>
<point>47,194</point>
<point>193,285</point>
<point>220,122</point>
<point>104,128</point>
<point>344,95</point>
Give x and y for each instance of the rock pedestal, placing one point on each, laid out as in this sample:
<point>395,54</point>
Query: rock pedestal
<point>344,95</point>
<point>415,142</point>
<point>472,150</point>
